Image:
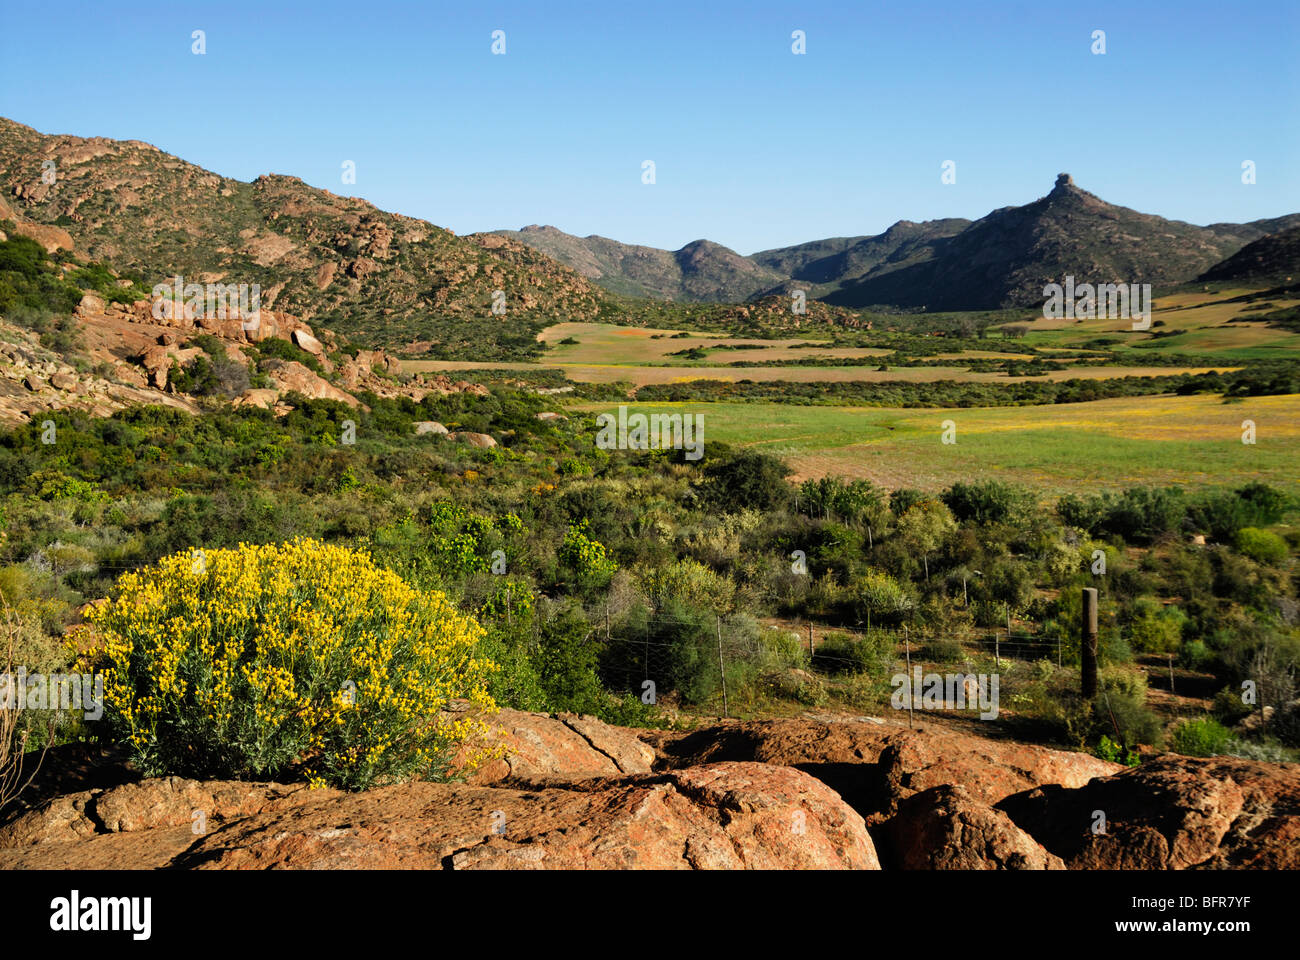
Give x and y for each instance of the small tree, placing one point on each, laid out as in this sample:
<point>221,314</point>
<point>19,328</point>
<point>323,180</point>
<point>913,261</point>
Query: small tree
<point>924,527</point>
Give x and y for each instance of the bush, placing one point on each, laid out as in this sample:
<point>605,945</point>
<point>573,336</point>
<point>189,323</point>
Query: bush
<point>879,598</point>
<point>1156,628</point>
<point>1143,514</point>
<point>1223,513</point>
<point>587,559</point>
<point>751,480</point>
<point>1108,749</point>
<point>296,658</point>
<point>273,348</point>
<point>1202,737</point>
<point>1120,708</point>
<point>872,653</point>
<point>1262,546</point>
<point>1285,724</point>
<point>567,663</point>
<point>941,650</point>
<point>691,583</point>
<point>1139,514</point>
<point>988,501</point>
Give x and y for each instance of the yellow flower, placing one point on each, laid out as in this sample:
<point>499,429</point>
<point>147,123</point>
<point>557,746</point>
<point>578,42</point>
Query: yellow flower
<point>267,655</point>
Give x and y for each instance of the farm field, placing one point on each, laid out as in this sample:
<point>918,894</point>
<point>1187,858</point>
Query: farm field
<point>1059,448</point>
<point>1207,320</point>
<point>640,376</point>
<point>600,343</point>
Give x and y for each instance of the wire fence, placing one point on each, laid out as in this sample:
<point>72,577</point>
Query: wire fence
<point>654,655</point>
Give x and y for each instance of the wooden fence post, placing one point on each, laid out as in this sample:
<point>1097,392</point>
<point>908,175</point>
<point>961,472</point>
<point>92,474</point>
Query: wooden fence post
<point>911,693</point>
<point>722,668</point>
<point>1088,648</point>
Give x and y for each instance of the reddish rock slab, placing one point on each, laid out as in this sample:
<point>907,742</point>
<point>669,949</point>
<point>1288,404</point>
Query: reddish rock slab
<point>146,805</point>
<point>723,816</point>
<point>874,765</point>
<point>720,816</point>
<point>545,747</point>
<point>945,828</point>
<point>1171,813</point>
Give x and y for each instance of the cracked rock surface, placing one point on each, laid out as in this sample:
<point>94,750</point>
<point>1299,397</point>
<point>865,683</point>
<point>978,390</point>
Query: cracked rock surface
<point>571,792</point>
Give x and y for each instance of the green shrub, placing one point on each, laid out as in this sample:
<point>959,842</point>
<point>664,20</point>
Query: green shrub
<point>988,501</point>
<point>750,480</point>
<point>1156,627</point>
<point>941,650</point>
<point>1201,737</point>
<point>1262,546</point>
<point>1108,749</point>
<point>1120,709</point>
<point>871,653</point>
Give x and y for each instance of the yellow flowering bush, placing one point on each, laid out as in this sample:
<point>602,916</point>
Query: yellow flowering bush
<point>295,658</point>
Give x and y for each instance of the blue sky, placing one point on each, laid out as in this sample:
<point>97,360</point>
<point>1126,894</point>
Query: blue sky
<point>754,146</point>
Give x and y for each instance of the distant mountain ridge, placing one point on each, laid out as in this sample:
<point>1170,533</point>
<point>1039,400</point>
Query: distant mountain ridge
<point>341,262</point>
<point>1275,257</point>
<point>700,272</point>
<point>1003,259</point>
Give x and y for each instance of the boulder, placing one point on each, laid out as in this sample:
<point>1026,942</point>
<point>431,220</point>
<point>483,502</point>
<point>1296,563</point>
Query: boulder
<point>325,274</point>
<point>146,805</point>
<point>290,375</point>
<point>945,828</point>
<point>875,764</point>
<point>257,397</point>
<point>157,362</point>
<point>990,769</point>
<point>481,440</point>
<point>51,238</point>
<point>1171,813</point>
<point>720,816</point>
<point>423,427</point>
<point>92,304</point>
<point>305,341</point>
<point>566,746</point>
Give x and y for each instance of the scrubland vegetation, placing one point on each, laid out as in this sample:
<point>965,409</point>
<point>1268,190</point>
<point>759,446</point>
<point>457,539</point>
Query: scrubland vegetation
<point>548,574</point>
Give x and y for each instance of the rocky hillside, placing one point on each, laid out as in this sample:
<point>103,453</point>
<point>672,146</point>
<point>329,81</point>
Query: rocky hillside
<point>700,272</point>
<point>334,261</point>
<point>1274,257</point>
<point>76,336</point>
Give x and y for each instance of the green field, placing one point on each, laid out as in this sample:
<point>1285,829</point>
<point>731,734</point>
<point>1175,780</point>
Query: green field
<point>607,353</point>
<point>1209,322</point>
<point>1054,448</point>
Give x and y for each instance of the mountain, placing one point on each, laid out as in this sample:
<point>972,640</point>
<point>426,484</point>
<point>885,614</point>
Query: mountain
<point>337,261</point>
<point>700,272</point>
<point>391,280</point>
<point>824,266</point>
<point>1275,257</point>
<point>1005,258</point>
